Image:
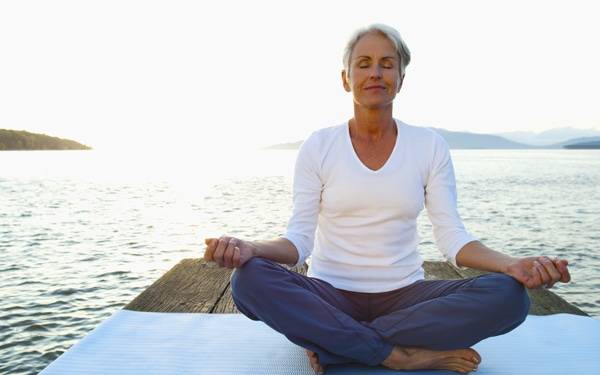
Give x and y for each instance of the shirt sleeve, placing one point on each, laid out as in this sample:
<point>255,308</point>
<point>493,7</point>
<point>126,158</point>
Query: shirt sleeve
<point>440,201</point>
<point>307,188</point>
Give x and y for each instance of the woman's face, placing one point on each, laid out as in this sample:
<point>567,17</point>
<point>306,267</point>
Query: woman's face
<point>374,77</point>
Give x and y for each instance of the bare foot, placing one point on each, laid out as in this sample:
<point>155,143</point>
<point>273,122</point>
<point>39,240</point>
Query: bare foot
<point>314,362</point>
<point>461,360</point>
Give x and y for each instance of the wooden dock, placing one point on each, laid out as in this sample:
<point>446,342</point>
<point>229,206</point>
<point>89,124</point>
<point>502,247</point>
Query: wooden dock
<point>195,285</point>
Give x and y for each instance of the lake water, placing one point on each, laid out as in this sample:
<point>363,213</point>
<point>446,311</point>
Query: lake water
<point>84,232</point>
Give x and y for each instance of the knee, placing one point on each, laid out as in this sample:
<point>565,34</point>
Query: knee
<point>511,297</point>
<point>250,275</point>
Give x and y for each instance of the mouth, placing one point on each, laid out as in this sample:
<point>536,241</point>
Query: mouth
<point>375,87</point>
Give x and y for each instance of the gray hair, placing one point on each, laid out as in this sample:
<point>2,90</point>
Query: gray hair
<point>389,32</point>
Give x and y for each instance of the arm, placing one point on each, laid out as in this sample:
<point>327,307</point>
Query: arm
<point>280,250</point>
<point>307,190</point>
<point>533,272</point>
<point>464,250</point>
<point>297,243</point>
<point>476,255</point>
<point>440,200</point>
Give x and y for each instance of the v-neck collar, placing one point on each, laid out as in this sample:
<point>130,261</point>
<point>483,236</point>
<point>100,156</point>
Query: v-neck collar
<point>390,157</point>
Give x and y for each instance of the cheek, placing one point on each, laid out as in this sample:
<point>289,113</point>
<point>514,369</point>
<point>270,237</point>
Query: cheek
<point>356,79</point>
<point>395,82</point>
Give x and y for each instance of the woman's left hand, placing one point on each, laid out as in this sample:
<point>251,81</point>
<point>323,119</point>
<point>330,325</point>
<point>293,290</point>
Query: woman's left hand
<point>537,272</point>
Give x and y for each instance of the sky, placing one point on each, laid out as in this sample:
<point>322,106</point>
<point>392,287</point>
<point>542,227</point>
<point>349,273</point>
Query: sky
<point>225,76</point>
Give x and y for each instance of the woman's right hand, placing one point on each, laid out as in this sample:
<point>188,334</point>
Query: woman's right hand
<point>228,252</point>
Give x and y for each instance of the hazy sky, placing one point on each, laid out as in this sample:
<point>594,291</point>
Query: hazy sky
<point>223,75</point>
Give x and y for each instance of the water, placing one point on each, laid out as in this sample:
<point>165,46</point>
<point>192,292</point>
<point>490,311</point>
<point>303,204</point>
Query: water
<point>83,233</point>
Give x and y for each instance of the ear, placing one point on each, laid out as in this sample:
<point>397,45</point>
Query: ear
<point>345,81</point>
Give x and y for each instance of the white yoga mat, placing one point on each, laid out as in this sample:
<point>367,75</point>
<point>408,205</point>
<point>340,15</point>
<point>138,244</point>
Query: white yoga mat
<point>141,343</point>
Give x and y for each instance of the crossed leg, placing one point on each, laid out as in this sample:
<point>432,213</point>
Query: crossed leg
<point>446,316</point>
<point>309,312</point>
<point>411,329</point>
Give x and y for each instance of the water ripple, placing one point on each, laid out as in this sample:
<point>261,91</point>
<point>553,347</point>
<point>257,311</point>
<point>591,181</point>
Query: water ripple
<point>67,264</point>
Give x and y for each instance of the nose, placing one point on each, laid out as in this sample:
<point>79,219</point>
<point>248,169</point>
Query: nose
<point>375,71</point>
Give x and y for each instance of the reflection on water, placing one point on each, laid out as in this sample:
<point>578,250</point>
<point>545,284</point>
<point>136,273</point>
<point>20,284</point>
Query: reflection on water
<point>82,233</point>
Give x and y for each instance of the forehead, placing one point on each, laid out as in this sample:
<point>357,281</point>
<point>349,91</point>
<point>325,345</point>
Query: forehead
<point>374,45</point>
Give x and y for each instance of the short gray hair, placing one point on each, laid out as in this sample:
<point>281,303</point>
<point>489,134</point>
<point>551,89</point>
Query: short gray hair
<point>389,32</point>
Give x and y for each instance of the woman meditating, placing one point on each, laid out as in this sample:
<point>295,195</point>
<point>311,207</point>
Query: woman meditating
<point>358,190</point>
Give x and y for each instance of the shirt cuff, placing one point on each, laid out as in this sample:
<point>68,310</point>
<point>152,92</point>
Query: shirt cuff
<point>457,246</point>
<point>296,243</point>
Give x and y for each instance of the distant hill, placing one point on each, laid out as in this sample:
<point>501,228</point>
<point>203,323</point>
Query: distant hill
<point>584,145</point>
<point>22,140</point>
<point>575,141</point>
<point>470,141</point>
<point>456,140</point>
<point>462,140</point>
<point>549,137</point>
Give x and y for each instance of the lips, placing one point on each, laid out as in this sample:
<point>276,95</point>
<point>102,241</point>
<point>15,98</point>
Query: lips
<point>374,87</point>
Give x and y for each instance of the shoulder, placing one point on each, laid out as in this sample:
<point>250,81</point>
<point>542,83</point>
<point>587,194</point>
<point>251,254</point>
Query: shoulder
<point>423,138</point>
<point>318,144</point>
<point>319,141</point>
<point>325,135</point>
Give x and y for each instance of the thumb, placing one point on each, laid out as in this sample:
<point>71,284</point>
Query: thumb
<point>208,253</point>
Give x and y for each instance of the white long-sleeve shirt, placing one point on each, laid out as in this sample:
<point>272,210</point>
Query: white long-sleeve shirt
<point>360,225</point>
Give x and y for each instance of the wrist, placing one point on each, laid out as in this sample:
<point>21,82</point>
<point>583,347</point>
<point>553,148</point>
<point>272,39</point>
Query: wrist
<point>507,264</point>
<point>254,250</point>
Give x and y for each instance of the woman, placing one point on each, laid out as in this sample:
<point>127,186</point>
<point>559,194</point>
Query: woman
<point>359,187</point>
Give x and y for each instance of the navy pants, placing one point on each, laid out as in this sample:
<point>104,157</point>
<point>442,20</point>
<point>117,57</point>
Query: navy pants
<point>351,327</point>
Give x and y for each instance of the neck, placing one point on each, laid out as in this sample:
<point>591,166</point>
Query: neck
<point>372,124</point>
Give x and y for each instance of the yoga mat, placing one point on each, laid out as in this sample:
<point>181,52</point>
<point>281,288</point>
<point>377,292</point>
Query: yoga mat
<point>143,343</point>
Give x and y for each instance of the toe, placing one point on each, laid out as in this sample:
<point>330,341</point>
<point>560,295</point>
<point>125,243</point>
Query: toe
<point>459,364</point>
<point>473,356</point>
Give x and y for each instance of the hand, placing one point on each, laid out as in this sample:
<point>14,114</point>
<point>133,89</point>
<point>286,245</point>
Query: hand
<point>228,252</point>
<point>537,272</point>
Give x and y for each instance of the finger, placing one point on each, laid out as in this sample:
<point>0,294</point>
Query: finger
<point>221,246</point>
<point>551,270</point>
<point>210,248</point>
<point>562,265</point>
<point>535,281</point>
<point>228,255</point>
<point>236,257</point>
<point>544,276</point>
<point>536,278</point>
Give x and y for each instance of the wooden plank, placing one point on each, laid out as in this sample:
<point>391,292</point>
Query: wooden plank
<point>196,286</point>
<point>440,271</point>
<point>191,286</point>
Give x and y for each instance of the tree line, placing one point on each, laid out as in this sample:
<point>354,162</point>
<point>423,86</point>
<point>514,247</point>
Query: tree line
<point>23,140</point>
